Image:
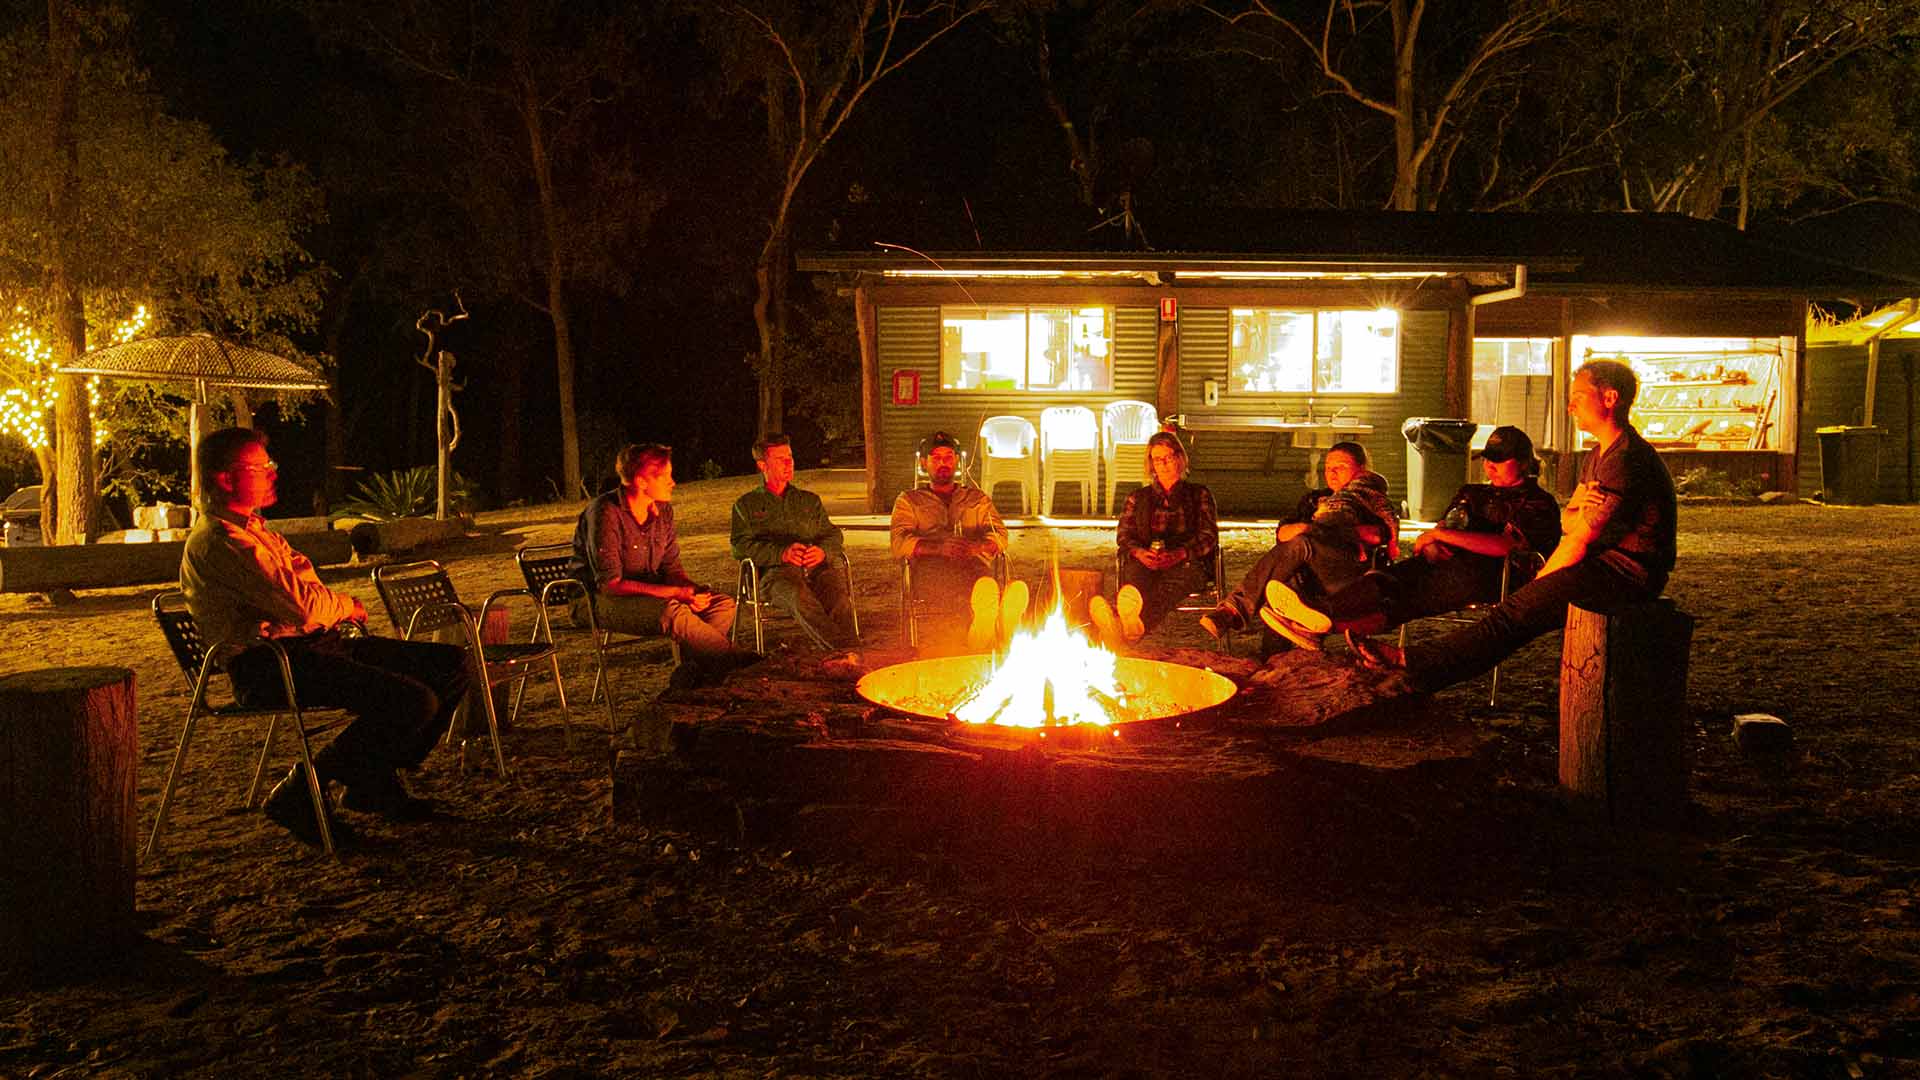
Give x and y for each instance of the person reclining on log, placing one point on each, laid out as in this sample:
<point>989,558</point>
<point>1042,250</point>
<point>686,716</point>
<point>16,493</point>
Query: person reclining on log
<point>1168,532</point>
<point>243,582</point>
<point>1458,563</point>
<point>629,552</point>
<point>1339,529</point>
<point>949,534</point>
<point>785,531</point>
<point>1616,545</point>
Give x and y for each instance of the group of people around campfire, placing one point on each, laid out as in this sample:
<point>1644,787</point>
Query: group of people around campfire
<point>1334,567</point>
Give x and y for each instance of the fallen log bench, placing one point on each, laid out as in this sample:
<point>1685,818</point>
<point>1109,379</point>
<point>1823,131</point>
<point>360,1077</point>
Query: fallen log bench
<point>69,745</point>
<point>108,566</point>
<point>1624,750</point>
<point>403,534</point>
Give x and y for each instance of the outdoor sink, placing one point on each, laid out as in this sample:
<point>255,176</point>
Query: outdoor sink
<point>1321,434</point>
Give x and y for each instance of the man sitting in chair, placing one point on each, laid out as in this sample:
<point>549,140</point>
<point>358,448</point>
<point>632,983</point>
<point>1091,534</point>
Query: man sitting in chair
<point>786,532</point>
<point>950,534</point>
<point>1328,548</point>
<point>1461,562</point>
<point>627,542</point>
<point>244,583</point>
<point>1616,544</point>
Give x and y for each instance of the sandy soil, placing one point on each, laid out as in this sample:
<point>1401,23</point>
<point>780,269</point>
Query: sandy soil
<point>1481,933</point>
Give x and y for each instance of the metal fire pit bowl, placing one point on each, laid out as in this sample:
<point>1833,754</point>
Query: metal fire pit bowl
<point>931,688</point>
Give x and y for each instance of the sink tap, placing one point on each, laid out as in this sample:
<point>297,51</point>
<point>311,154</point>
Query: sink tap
<point>1310,417</point>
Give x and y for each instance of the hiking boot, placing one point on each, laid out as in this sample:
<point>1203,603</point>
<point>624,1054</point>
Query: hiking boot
<point>1376,655</point>
<point>1222,621</point>
<point>1105,627</point>
<point>290,806</point>
<point>1013,608</point>
<point>985,608</point>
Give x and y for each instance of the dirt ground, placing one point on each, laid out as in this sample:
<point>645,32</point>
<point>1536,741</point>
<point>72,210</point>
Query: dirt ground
<point>1480,932</point>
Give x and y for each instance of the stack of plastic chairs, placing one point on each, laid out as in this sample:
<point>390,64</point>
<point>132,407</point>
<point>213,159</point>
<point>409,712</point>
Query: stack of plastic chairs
<point>1007,456</point>
<point>1070,454</point>
<point>1126,427</point>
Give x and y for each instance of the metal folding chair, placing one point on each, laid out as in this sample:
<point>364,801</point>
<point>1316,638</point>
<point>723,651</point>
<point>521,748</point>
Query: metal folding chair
<point>1203,600</point>
<point>911,609</point>
<point>199,665</point>
<point>1471,612</point>
<point>420,598</point>
<point>746,594</point>
<point>555,578</point>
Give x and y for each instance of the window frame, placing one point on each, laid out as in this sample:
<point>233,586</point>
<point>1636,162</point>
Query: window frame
<point>1026,310</point>
<point>1233,383</point>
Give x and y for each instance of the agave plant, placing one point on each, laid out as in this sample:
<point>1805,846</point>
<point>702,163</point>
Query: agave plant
<point>404,493</point>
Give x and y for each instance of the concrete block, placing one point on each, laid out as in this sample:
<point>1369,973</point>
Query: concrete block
<point>1760,733</point>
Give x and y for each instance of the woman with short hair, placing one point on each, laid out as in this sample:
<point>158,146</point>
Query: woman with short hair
<point>1167,533</point>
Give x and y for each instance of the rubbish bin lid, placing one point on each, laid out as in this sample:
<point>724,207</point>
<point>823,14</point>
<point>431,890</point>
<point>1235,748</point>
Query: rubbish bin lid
<point>1447,424</point>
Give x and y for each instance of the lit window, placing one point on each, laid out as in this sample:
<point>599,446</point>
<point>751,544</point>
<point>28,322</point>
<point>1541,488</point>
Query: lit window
<point>1309,352</point>
<point>1026,348</point>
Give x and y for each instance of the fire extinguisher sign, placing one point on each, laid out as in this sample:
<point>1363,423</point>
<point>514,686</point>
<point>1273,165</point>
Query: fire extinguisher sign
<point>906,388</point>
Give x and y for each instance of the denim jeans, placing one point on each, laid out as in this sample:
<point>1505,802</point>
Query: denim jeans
<point>1162,590</point>
<point>1532,610</point>
<point>818,598</point>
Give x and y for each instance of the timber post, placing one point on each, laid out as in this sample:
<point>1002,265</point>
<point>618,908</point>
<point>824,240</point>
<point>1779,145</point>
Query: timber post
<point>1624,727</point>
<point>69,747</point>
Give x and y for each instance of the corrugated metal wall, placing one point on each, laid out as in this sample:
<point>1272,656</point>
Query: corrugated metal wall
<point>1836,394</point>
<point>1234,464</point>
<point>909,337</point>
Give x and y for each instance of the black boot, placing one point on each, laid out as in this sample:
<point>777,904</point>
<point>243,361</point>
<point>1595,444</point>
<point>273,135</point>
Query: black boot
<point>290,806</point>
<point>379,791</point>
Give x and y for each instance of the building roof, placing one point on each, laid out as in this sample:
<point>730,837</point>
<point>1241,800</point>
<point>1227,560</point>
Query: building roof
<point>1570,251</point>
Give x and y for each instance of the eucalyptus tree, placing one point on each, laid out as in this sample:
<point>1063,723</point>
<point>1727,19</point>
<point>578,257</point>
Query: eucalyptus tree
<point>116,214</point>
<point>811,66</point>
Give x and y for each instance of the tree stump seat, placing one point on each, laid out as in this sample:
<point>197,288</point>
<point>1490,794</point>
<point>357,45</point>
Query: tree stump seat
<point>1624,726</point>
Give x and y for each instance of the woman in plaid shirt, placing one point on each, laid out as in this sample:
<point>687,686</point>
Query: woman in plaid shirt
<point>1167,534</point>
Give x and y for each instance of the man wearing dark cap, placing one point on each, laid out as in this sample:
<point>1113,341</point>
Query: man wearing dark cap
<point>1616,543</point>
<point>1460,562</point>
<point>950,533</point>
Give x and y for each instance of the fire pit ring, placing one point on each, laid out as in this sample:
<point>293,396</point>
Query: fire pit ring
<point>930,689</point>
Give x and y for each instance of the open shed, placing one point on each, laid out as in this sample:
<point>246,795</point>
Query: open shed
<point>1269,334</point>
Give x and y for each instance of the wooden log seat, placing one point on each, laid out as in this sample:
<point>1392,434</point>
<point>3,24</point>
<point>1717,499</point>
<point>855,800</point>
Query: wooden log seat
<point>1624,727</point>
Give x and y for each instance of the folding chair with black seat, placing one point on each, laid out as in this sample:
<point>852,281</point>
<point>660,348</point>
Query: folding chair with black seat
<point>420,599</point>
<point>199,665</point>
<point>746,594</point>
<point>553,576</point>
<point>1201,600</point>
<point>911,610</point>
<point>1474,612</point>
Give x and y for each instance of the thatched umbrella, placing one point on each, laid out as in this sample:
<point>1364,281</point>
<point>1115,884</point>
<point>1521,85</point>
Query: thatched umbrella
<point>205,361</point>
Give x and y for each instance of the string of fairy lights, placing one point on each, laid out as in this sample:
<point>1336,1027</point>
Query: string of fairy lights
<point>25,408</point>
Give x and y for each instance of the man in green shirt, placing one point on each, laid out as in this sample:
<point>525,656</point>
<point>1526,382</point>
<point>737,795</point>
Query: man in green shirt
<point>785,531</point>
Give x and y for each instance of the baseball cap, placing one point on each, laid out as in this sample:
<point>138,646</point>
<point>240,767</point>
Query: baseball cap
<point>1507,443</point>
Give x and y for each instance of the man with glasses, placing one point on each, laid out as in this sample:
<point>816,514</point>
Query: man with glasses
<point>243,583</point>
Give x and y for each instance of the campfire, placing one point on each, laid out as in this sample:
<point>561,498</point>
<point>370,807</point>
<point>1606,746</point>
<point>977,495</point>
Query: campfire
<point>1051,677</point>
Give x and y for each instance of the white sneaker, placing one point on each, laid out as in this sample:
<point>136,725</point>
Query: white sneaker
<point>1295,610</point>
<point>1105,627</point>
<point>1128,605</point>
<point>1289,629</point>
<point>985,604</point>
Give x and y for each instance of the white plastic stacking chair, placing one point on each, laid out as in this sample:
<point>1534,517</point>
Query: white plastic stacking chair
<point>1070,454</point>
<point>1007,455</point>
<point>1125,428</point>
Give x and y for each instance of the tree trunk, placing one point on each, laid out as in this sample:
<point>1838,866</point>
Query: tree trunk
<point>73,418</point>
<point>556,288</point>
<point>69,746</point>
<point>768,310</point>
<point>1406,192</point>
<point>1624,730</point>
<point>242,408</point>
